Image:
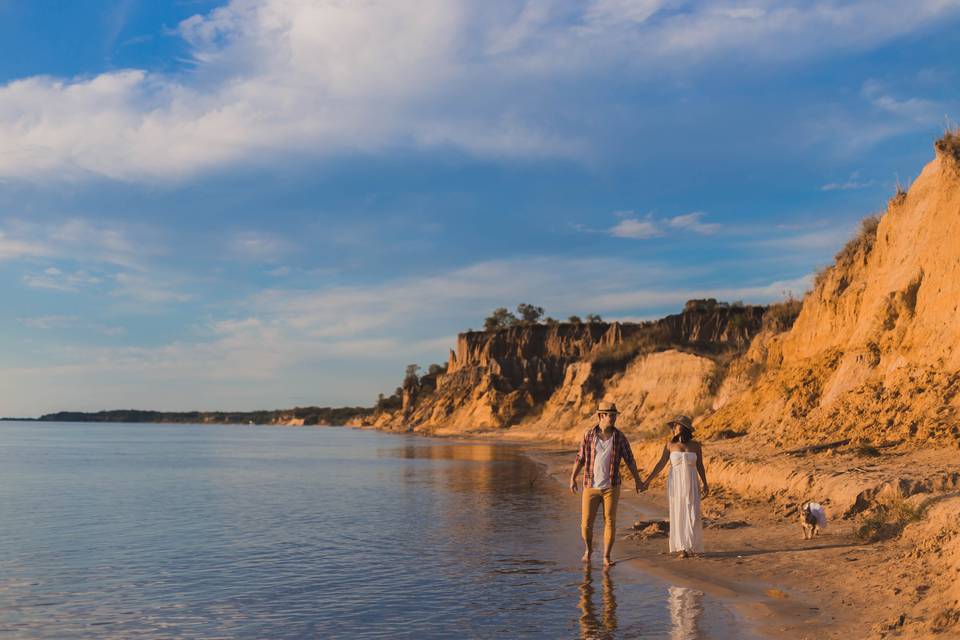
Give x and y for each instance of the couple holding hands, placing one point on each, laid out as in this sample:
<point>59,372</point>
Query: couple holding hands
<point>604,447</point>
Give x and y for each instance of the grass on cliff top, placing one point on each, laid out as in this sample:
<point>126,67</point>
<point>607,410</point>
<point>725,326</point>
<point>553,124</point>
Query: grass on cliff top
<point>949,145</point>
<point>863,242</point>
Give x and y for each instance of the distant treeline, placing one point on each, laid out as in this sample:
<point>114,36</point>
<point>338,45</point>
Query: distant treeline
<point>310,415</point>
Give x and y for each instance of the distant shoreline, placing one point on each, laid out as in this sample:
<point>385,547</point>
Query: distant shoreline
<point>297,416</point>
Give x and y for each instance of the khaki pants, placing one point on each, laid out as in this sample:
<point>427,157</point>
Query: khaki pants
<point>588,513</point>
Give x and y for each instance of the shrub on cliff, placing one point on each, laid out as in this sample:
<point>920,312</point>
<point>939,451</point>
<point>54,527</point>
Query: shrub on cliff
<point>501,318</point>
<point>949,145</point>
<point>412,375</point>
<point>612,359</point>
<point>529,314</point>
<point>389,403</point>
<point>887,519</point>
<point>780,316</point>
<point>862,242</point>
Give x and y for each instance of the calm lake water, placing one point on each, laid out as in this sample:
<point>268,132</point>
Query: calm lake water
<point>200,531</point>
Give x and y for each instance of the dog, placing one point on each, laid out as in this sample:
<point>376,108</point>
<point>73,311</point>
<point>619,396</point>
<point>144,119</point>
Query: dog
<point>812,519</point>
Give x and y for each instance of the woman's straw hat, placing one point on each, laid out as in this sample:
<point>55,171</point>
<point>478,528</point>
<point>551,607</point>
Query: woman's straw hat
<point>683,421</point>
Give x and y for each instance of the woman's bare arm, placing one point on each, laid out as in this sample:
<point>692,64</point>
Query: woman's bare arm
<point>702,471</point>
<point>658,468</point>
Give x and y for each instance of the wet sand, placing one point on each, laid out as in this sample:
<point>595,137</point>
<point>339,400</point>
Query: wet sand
<point>765,572</point>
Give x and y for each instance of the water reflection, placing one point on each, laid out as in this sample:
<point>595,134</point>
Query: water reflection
<point>686,609</point>
<point>593,626</point>
<point>154,532</point>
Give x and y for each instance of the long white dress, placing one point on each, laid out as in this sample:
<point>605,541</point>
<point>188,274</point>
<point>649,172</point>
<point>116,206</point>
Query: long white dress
<point>683,490</point>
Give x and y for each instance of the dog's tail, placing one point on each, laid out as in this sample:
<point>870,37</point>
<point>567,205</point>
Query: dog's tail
<point>819,513</point>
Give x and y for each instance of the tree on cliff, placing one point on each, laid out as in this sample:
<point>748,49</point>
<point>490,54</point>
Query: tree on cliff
<point>411,377</point>
<point>574,320</point>
<point>594,317</point>
<point>529,314</point>
<point>499,319</point>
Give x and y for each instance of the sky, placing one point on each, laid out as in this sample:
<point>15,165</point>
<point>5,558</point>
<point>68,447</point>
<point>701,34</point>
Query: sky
<point>241,205</point>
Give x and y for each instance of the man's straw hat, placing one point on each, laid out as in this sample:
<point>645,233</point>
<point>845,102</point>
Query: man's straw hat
<point>607,407</point>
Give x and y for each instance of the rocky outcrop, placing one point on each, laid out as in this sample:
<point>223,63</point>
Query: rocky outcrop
<point>550,376</point>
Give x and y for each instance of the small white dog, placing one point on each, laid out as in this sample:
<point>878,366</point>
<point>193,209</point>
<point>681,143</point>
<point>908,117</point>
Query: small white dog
<point>813,518</point>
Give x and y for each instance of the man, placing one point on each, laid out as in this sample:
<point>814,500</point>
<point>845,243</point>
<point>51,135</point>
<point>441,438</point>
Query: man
<point>602,449</point>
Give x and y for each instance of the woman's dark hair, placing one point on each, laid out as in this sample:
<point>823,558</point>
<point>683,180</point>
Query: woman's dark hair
<point>685,435</point>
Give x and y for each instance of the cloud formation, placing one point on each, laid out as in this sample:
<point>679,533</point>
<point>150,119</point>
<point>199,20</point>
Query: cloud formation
<point>636,228</point>
<point>323,77</point>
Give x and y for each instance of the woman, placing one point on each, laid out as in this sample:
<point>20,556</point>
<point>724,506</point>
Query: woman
<point>686,463</point>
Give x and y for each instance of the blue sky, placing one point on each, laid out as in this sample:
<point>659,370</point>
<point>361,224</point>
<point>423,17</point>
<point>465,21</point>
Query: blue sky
<point>239,205</point>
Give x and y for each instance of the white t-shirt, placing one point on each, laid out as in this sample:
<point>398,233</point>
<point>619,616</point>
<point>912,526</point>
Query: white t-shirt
<point>601,462</point>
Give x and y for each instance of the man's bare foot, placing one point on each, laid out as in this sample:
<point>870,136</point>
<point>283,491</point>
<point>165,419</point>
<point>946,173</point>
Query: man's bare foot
<point>586,556</point>
<point>607,562</point>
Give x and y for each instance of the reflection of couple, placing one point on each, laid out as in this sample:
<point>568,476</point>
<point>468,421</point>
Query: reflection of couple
<point>592,626</point>
<point>686,608</point>
<point>602,450</point>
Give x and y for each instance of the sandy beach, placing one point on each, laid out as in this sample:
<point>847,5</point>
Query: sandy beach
<point>834,586</point>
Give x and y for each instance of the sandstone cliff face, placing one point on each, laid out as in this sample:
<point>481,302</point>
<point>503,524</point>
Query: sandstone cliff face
<point>873,353</point>
<point>653,388</point>
<point>549,377</point>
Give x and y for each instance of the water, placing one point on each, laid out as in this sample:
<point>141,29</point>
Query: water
<point>191,531</point>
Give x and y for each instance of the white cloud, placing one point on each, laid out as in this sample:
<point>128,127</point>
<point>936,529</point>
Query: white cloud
<point>54,278</point>
<point>147,288</point>
<point>74,238</point>
<point>846,186</point>
<point>49,322</point>
<point>118,259</point>
<point>635,229</point>
<point>52,322</point>
<point>323,77</point>
<point>631,226</point>
<point>915,109</point>
<point>259,246</point>
<point>692,221</point>
<point>15,249</point>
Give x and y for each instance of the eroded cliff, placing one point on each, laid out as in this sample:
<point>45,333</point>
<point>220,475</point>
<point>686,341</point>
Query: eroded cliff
<point>873,355</point>
<point>549,377</point>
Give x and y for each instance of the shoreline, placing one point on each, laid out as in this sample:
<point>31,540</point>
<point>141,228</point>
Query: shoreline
<point>751,602</point>
<point>765,608</point>
<point>838,586</point>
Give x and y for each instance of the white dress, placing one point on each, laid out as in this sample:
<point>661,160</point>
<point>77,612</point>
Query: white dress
<point>683,490</point>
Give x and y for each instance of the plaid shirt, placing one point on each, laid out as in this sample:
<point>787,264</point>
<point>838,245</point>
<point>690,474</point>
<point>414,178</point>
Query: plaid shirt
<point>588,453</point>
